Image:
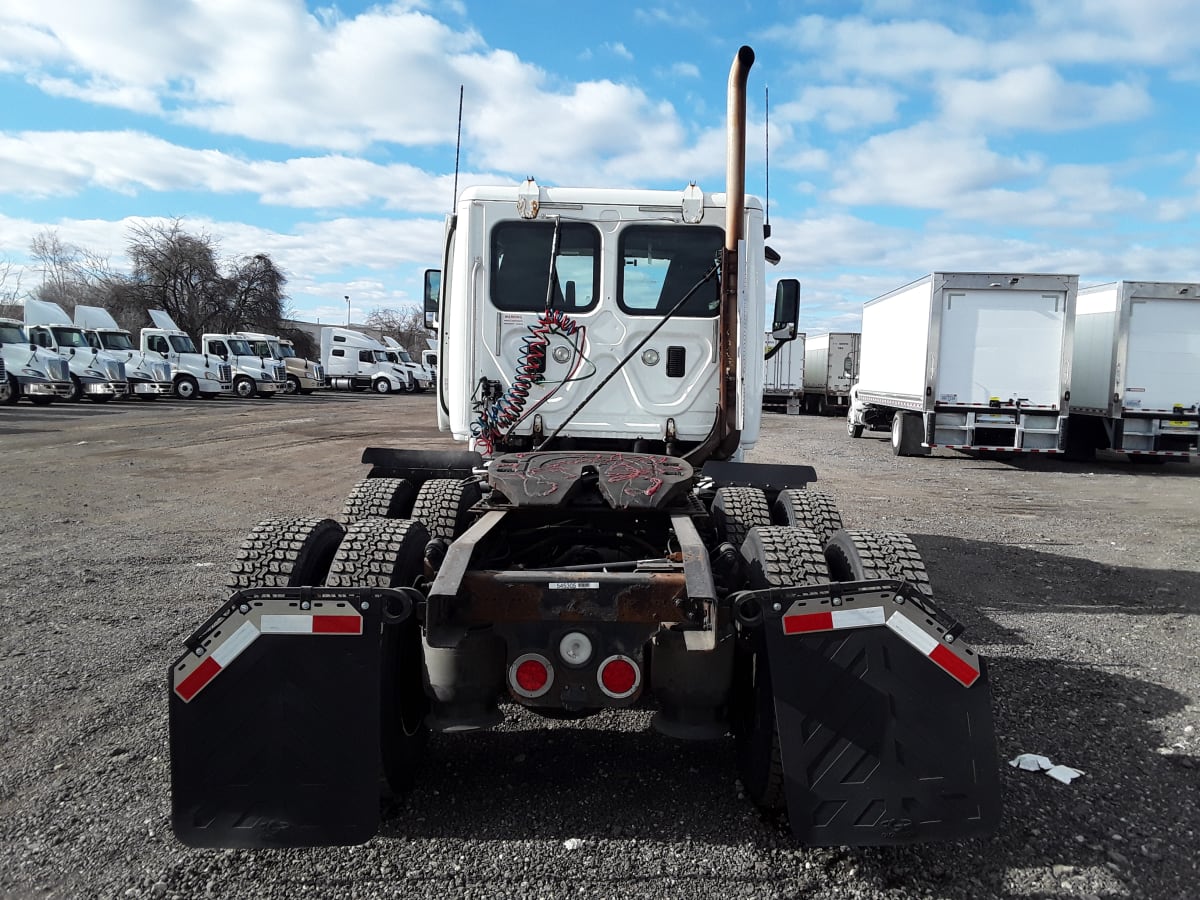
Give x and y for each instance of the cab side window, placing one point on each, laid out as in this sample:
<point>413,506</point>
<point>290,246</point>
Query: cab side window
<point>157,343</point>
<point>41,337</point>
<point>217,348</point>
<point>366,356</point>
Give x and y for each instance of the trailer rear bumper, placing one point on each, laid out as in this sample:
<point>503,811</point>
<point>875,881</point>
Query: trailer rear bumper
<point>884,717</point>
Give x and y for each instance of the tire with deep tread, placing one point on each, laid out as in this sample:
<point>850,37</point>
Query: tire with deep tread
<point>735,510</point>
<point>907,434</point>
<point>390,553</point>
<point>775,555</point>
<point>808,509</point>
<point>382,498</point>
<point>286,552</point>
<point>863,555</point>
<point>444,505</point>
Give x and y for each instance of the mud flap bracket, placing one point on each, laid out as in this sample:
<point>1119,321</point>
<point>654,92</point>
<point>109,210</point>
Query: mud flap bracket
<point>274,719</point>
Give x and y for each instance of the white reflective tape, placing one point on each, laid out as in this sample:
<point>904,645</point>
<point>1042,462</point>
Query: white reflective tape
<point>287,624</point>
<point>908,630</point>
<point>858,618</point>
<point>235,644</point>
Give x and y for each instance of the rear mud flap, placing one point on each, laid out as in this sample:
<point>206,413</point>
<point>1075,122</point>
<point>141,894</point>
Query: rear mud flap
<point>885,726</point>
<point>274,720</point>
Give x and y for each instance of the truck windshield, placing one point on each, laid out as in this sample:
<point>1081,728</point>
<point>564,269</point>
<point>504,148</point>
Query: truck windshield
<point>403,354</point>
<point>381,356</point>
<point>287,351</point>
<point>662,263</point>
<point>181,343</point>
<point>12,334</point>
<point>115,340</point>
<point>238,347</point>
<point>69,337</point>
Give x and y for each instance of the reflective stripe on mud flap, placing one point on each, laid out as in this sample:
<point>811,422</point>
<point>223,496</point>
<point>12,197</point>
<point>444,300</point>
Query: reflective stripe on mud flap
<point>194,673</point>
<point>801,618</point>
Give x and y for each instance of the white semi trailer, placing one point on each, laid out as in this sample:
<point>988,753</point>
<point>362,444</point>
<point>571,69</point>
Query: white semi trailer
<point>28,371</point>
<point>830,370</point>
<point>783,375</point>
<point>968,361</point>
<point>354,361</point>
<point>148,374</point>
<point>193,374</point>
<point>95,374</point>
<point>1135,371</point>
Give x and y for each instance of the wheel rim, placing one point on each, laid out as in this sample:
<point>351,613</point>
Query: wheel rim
<point>186,389</point>
<point>244,388</point>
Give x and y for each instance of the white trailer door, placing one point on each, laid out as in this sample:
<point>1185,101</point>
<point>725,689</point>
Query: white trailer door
<point>1163,357</point>
<point>1005,345</point>
<point>841,363</point>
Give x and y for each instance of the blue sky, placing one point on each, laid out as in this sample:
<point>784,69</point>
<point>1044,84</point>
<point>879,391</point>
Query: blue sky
<point>905,137</point>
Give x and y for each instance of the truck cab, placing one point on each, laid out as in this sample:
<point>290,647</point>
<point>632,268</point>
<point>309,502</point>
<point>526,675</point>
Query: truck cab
<point>253,375</point>
<point>354,361</point>
<point>304,375</point>
<point>28,371</point>
<point>419,377</point>
<point>148,375</point>
<point>429,361</point>
<point>95,374</point>
<point>193,374</point>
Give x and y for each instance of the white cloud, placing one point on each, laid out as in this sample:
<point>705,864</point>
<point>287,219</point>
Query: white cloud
<point>842,107</point>
<point>619,49</point>
<point>685,70</point>
<point>1037,97</point>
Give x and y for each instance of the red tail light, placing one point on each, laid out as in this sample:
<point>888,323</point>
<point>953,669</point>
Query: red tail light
<point>531,675</point>
<point>619,676</point>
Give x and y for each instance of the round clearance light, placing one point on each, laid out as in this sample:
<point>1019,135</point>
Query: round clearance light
<point>575,648</point>
<point>531,675</point>
<point>619,677</point>
<point>650,357</point>
<point>561,354</point>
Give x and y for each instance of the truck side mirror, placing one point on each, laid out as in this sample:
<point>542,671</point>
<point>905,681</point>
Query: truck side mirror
<point>433,292</point>
<point>787,308</point>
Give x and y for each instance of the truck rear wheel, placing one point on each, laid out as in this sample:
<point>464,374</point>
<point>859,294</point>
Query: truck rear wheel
<point>775,556</point>
<point>907,434</point>
<point>735,510</point>
<point>808,509</point>
<point>864,555</point>
<point>286,552</point>
<point>383,498</point>
<point>390,553</point>
<point>444,506</point>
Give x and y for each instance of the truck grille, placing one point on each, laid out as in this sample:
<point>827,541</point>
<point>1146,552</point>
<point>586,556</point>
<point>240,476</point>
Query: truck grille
<point>2,375</point>
<point>114,370</point>
<point>318,374</point>
<point>225,372</point>
<point>58,369</point>
<point>161,371</point>
<point>281,373</point>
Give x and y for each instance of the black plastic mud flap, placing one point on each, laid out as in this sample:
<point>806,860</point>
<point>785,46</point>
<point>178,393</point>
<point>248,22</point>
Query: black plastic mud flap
<point>274,720</point>
<point>884,717</point>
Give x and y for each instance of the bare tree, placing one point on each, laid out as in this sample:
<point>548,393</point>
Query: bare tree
<point>178,272</point>
<point>407,325</point>
<point>256,296</point>
<point>10,289</point>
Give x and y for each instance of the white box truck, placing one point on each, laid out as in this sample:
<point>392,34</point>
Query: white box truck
<point>968,361</point>
<point>194,374</point>
<point>354,361</point>
<point>783,374</point>
<point>830,370</point>
<point>148,374</point>
<point>1135,371</point>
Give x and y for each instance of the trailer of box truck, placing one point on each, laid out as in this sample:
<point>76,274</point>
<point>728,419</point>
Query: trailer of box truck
<point>830,370</point>
<point>968,361</point>
<point>783,374</point>
<point>1135,371</point>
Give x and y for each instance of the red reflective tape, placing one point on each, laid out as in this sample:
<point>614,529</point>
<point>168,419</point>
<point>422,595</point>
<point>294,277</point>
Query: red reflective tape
<point>201,675</point>
<point>336,625</point>
<point>821,621</point>
<point>961,670</point>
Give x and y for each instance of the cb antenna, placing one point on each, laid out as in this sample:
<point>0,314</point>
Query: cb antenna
<point>767,157</point>
<point>457,148</point>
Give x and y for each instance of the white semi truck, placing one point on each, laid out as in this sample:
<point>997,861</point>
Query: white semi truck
<point>968,361</point>
<point>148,374</point>
<point>783,375</point>
<point>419,377</point>
<point>95,374</point>
<point>353,361</point>
<point>26,370</point>
<point>253,375</point>
<point>830,370</point>
<point>1135,371</point>
<point>302,376</point>
<point>600,548</point>
<point>193,374</point>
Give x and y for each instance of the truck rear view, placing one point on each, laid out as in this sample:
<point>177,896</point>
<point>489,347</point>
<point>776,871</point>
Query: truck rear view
<point>968,361</point>
<point>1135,380</point>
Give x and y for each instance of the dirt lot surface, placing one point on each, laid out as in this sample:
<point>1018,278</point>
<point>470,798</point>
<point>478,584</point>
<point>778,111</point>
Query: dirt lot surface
<point>1080,582</point>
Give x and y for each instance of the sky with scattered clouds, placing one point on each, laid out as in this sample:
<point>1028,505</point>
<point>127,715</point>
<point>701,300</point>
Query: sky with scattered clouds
<point>904,137</point>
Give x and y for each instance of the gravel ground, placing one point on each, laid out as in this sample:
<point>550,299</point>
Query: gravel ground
<point>1080,582</point>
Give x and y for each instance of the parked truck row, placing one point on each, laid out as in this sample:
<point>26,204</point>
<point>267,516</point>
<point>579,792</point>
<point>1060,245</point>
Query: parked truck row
<point>1018,363</point>
<point>51,356</point>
